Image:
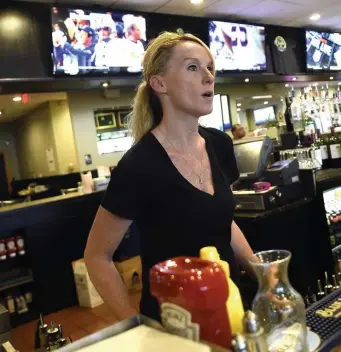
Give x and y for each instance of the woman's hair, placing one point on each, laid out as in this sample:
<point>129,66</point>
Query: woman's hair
<point>147,109</point>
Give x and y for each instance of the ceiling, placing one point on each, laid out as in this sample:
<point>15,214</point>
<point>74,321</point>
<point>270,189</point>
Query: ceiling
<point>293,13</point>
<point>11,110</point>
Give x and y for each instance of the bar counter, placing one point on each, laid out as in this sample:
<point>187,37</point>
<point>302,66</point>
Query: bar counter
<point>56,230</point>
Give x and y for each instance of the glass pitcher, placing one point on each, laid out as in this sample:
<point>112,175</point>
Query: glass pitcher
<point>278,305</point>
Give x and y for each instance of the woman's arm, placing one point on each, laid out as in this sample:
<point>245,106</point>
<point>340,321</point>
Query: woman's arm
<point>241,247</point>
<point>105,236</point>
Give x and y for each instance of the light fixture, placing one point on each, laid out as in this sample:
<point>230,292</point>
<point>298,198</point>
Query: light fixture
<point>287,85</point>
<point>105,84</point>
<point>322,87</point>
<point>17,98</point>
<point>262,97</point>
<point>247,80</point>
<point>238,109</point>
<point>315,84</point>
<point>266,102</point>
<point>196,2</point>
<point>331,78</point>
<point>294,79</point>
<point>315,17</point>
<point>282,99</point>
<point>239,104</point>
<point>339,83</point>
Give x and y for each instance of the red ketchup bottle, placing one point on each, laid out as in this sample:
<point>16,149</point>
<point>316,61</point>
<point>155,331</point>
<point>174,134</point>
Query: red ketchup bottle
<point>192,295</point>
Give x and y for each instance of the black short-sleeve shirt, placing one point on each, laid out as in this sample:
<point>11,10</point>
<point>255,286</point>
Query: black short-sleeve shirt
<point>174,218</point>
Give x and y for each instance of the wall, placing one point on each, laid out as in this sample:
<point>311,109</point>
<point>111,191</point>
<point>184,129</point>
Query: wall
<point>247,90</point>
<point>34,135</point>
<point>82,106</point>
<point>8,146</point>
<point>63,136</point>
<point>47,127</point>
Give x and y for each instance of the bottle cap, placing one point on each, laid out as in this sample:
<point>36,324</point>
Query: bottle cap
<point>251,323</point>
<point>239,343</point>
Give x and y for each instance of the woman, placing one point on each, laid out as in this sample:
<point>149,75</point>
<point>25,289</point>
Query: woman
<point>175,181</point>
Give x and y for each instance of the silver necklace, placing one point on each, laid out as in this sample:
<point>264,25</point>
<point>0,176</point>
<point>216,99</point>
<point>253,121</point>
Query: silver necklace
<point>200,176</point>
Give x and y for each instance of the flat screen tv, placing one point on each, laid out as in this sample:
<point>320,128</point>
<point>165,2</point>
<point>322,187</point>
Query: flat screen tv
<point>237,47</point>
<point>97,43</point>
<point>323,51</point>
<point>264,114</point>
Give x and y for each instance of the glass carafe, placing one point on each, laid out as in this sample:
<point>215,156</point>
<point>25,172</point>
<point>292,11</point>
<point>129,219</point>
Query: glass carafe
<point>278,305</point>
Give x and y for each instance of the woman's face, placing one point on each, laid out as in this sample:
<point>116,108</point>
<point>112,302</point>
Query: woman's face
<point>189,81</point>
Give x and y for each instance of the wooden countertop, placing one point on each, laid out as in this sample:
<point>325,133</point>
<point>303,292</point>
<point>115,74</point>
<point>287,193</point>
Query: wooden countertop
<point>28,204</point>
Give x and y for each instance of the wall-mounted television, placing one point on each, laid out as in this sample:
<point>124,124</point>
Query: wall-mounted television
<point>323,51</point>
<point>264,115</point>
<point>219,118</point>
<point>237,47</point>
<point>97,43</point>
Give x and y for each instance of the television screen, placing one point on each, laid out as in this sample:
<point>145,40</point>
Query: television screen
<point>87,42</point>
<point>323,51</point>
<point>264,114</point>
<point>237,47</point>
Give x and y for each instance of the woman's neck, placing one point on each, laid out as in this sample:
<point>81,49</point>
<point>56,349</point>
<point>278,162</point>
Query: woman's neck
<point>182,131</point>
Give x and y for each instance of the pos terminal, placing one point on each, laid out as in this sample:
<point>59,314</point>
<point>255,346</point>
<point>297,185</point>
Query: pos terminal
<point>261,187</point>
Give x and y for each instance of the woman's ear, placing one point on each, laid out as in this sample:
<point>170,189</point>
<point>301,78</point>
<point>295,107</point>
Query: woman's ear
<point>158,84</point>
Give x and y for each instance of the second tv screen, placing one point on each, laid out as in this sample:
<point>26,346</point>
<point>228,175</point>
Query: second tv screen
<point>237,47</point>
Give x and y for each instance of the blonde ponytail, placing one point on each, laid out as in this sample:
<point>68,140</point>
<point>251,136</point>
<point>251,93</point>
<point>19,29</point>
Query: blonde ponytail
<point>147,109</point>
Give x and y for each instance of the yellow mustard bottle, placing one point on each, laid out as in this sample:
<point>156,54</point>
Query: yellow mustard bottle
<point>234,305</point>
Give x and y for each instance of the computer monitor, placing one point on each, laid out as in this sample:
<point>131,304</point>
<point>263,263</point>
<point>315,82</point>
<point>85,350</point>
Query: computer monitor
<point>252,155</point>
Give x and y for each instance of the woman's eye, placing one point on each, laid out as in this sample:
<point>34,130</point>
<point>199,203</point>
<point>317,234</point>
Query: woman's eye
<point>192,68</point>
<point>210,68</point>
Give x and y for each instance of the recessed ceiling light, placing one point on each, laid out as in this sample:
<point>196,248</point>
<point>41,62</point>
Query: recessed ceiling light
<point>239,104</point>
<point>238,109</point>
<point>195,2</point>
<point>0,112</point>
<point>331,78</point>
<point>17,98</point>
<point>105,84</point>
<point>266,103</point>
<point>315,17</point>
<point>287,85</point>
<point>294,78</point>
<point>262,97</point>
<point>247,80</point>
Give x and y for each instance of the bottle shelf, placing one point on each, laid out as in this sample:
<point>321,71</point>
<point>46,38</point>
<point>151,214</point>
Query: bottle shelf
<point>19,278</point>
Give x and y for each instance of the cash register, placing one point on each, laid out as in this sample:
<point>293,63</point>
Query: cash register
<point>262,186</point>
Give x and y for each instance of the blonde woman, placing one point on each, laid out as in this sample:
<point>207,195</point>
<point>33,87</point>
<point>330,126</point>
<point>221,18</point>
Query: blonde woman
<point>174,182</point>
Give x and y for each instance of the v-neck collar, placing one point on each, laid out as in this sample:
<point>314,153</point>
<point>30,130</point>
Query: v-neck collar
<point>211,158</point>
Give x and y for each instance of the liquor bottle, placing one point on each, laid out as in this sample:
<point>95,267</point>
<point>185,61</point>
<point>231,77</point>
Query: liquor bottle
<point>316,152</point>
<point>320,293</point>
<point>288,115</point>
<point>328,288</point>
<point>332,237</point>
<point>323,149</point>
<point>334,150</point>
